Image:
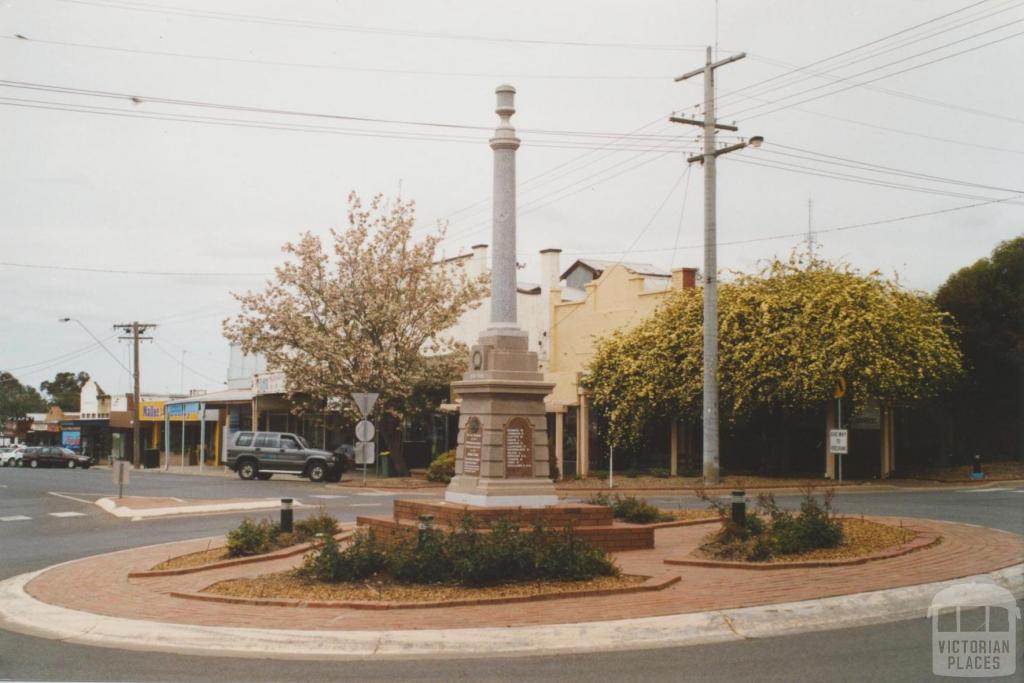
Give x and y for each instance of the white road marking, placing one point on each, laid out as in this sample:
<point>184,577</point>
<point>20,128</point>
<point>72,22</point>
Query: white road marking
<point>328,497</point>
<point>14,518</point>
<point>374,493</point>
<point>982,490</point>
<point>69,497</point>
<point>67,514</point>
<point>365,505</point>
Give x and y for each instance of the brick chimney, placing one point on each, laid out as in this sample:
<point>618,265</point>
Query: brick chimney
<point>479,259</point>
<point>550,268</point>
<point>684,278</point>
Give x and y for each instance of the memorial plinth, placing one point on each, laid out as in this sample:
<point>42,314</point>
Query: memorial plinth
<point>502,454</point>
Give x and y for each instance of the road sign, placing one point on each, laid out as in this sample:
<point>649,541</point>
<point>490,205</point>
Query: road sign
<point>840,389</point>
<point>838,441</point>
<point>364,402</point>
<point>365,430</point>
<point>364,453</point>
<point>120,475</point>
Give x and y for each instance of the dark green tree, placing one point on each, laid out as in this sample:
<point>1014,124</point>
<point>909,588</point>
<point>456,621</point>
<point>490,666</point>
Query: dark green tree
<point>987,301</point>
<point>65,390</point>
<point>17,399</point>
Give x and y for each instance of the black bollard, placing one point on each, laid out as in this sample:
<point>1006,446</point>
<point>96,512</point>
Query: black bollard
<point>739,508</point>
<point>286,515</point>
<point>977,466</point>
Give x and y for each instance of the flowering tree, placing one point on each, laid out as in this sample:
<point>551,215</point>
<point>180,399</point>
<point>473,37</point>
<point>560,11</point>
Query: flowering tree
<point>366,314</point>
<point>787,334</point>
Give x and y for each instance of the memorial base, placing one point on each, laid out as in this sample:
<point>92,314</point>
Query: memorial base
<point>593,523</point>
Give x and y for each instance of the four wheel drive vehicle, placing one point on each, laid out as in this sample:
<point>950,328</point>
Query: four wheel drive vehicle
<point>261,455</point>
<point>55,456</point>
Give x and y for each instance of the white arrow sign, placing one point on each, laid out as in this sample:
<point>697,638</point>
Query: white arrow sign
<point>365,402</point>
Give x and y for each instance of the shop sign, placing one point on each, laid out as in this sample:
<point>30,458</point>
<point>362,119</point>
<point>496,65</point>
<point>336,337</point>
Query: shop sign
<point>270,383</point>
<point>151,411</point>
<point>178,412</point>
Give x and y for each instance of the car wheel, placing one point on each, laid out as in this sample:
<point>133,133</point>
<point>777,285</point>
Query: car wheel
<point>33,463</point>
<point>247,470</point>
<point>72,464</point>
<point>317,472</point>
<point>263,476</point>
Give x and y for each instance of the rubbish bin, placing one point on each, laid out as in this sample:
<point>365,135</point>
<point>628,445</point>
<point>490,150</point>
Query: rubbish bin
<point>384,464</point>
<point>151,458</point>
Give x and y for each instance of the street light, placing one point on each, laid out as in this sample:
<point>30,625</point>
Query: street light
<point>95,339</point>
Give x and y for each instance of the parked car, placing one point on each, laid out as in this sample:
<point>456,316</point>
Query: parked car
<point>261,455</point>
<point>13,457</point>
<point>10,455</point>
<point>55,456</point>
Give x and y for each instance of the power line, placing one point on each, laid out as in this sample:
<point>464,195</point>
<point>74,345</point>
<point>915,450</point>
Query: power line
<point>333,67</point>
<point>373,30</point>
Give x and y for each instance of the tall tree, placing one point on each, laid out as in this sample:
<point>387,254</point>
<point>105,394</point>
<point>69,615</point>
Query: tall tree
<point>987,301</point>
<point>368,313</point>
<point>65,390</point>
<point>787,334</point>
<point>17,399</point>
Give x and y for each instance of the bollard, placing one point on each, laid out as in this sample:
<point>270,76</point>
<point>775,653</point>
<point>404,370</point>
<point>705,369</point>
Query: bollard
<point>424,525</point>
<point>739,508</point>
<point>976,473</point>
<point>286,515</point>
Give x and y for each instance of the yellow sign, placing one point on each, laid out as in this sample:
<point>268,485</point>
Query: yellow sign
<point>151,411</point>
<point>840,389</point>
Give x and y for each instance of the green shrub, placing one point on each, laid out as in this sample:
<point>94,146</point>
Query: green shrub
<point>442,469</point>
<point>629,508</point>
<point>600,498</point>
<point>251,538</point>
<point>465,556</point>
<point>599,474</point>
<point>660,472</point>
<point>311,527</point>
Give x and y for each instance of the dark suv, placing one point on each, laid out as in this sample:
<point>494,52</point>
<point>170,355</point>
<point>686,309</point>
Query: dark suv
<point>261,455</point>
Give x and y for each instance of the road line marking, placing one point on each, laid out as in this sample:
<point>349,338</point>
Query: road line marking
<point>328,497</point>
<point>80,500</point>
<point>374,493</point>
<point>992,490</point>
<point>366,505</point>
<point>67,514</point>
<point>14,518</point>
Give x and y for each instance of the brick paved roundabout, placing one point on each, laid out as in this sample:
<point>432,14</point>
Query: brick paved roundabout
<point>95,601</point>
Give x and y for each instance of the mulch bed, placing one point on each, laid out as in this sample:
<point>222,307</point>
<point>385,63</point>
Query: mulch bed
<point>288,586</point>
<point>197,559</point>
<point>647,482</point>
<point>861,537</point>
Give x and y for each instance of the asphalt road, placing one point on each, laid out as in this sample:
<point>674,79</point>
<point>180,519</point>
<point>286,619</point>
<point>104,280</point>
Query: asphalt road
<point>890,652</point>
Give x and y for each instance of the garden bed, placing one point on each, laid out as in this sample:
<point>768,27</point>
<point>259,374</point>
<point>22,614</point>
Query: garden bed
<point>289,587</point>
<point>862,540</point>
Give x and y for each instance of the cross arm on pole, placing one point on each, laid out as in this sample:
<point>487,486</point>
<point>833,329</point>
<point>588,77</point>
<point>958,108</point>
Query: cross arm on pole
<point>721,62</point>
<point>695,122</point>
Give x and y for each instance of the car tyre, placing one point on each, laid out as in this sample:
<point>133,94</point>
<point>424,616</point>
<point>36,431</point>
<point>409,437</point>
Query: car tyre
<point>248,470</point>
<point>264,476</point>
<point>72,464</point>
<point>317,472</point>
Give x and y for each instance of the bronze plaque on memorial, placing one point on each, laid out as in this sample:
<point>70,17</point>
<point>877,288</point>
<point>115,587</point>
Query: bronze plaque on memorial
<point>518,448</point>
<point>471,446</point>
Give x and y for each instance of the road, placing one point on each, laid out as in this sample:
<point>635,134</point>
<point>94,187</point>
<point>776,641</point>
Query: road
<point>60,528</point>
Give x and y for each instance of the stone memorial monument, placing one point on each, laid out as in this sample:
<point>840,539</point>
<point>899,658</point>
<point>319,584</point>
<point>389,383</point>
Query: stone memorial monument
<point>502,454</point>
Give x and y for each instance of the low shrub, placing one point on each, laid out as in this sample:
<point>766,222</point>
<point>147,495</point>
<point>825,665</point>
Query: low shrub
<point>442,468</point>
<point>772,531</point>
<point>464,556</point>
<point>252,538</point>
<point>599,474</point>
<point>311,527</point>
<point>630,508</point>
<point>660,472</point>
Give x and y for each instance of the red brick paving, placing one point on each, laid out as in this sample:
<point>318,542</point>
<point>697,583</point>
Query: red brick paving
<point>100,585</point>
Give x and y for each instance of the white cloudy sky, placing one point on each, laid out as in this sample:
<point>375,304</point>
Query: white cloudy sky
<point>105,183</point>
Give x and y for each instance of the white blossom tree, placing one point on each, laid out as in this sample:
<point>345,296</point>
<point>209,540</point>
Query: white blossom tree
<point>366,313</point>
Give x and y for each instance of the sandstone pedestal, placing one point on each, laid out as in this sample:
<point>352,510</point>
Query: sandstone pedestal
<point>503,447</point>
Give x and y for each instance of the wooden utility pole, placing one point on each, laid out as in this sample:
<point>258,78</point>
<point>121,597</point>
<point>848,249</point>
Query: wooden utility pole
<point>135,329</point>
<point>710,126</point>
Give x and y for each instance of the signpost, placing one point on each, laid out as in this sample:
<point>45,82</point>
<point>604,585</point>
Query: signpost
<point>120,472</point>
<point>839,445</point>
<point>364,430</point>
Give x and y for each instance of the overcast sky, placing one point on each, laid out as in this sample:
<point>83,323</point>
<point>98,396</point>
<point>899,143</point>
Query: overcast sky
<point>113,184</point>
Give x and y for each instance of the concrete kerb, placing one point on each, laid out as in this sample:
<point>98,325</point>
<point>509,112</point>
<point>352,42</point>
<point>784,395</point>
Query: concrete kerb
<point>22,613</point>
<point>110,505</point>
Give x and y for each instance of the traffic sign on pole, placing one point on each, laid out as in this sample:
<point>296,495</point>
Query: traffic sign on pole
<point>364,402</point>
<point>364,453</point>
<point>365,430</point>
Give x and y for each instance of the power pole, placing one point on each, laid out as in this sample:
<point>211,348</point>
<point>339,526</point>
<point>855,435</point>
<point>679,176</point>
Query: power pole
<point>810,228</point>
<point>135,329</point>
<point>710,154</point>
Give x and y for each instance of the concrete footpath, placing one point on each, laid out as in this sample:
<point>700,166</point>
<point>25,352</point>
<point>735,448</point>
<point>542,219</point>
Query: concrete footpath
<point>94,601</point>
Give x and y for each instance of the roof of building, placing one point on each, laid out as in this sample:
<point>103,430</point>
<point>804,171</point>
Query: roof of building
<point>225,396</point>
<point>598,266</point>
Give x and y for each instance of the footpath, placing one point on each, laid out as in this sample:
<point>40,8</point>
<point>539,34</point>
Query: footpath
<point>116,600</point>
